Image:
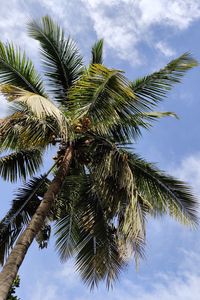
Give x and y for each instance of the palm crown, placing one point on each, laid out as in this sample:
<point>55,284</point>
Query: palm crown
<point>101,209</point>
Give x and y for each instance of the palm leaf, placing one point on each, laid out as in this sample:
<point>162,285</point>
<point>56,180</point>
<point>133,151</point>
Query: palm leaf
<point>84,231</point>
<point>153,88</point>
<point>67,212</point>
<point>129,128</point>
<point>165,193</point>
<point>61,60</point>
<point>97,52</point>
<point>131,189</point>
<point>98,256</point>
<point>41,107</point>
<point>20,164</point>
<point>127,172</point>
<point>102,96</point>
<point>16,69</point>
<point>33,122</point>
<point>23,207</point>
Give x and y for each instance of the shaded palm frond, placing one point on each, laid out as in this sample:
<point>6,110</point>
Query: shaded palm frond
<point>67,211</point>
<point>97,52</point>
<point>160,192</point>
<point>16,69</point>
<point>61,60</point>
<point>67,231</point>
<point>84,231</point>
<point>153,88</point>
<point>23,207</point>
<point>98,256</point>
<point>165,193</point>
<point>20,164</point>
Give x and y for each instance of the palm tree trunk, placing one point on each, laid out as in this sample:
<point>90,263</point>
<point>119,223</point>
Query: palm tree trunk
<point>16,257</point>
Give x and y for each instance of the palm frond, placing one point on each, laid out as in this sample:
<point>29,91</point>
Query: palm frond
<point>153,88</point>
<point>131,189</point>
<point>103,96</point>
<point>20,164</point>
<point>165,193</point>
<point>97,52</point>
<point>16,69</point>
<point>61,60</point>
<point>103,101</point>
<point>67,212</point>
<point>98,256</point>
<point>33,123</point>
<point>67,232</point>
<point>84,231</point>
<point>20,213</point>
<point>41,107</point>
<point>128,129</point>
<point>159,192</point>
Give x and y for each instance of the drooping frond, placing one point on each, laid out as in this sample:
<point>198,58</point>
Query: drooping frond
<point>159,191</point>
<point>20,164</point>
<point>23,208</point>
<point>98,254</point>
<point>114,181</point>
<point>61,60</point>
<point>67,233</point>
<point>67,212</point>
<point>165,193</point>
<point>16,69</point>
<point>154,87</point>
<point>85,231</point>
<point>97,52</point>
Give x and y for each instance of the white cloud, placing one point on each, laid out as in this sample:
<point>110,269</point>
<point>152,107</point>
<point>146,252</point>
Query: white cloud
<point>176,13</point>
<point>189,171</point>
<point>165,49</point>
<point>180,285</point>
<point>124,24</point>
<point>44,291</point>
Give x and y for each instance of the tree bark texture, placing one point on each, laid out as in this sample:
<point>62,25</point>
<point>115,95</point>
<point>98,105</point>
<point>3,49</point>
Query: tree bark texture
<point>16,257</point>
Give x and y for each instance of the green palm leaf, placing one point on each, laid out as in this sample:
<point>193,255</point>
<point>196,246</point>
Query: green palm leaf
<point>159,192</point>
<point>97,52</point>
<point>61,60</point>
<point>20,213</point>
<point>153,88</point>
<point>165,193</point>
<point>103,96</point>
<point>20,164</point>
<point>16,69</point>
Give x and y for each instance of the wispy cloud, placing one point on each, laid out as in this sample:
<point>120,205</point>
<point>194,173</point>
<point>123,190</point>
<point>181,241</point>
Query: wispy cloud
<point>180,285</point>
<point>189,171</point>
<point>165,49</point>
<point>125,25</point>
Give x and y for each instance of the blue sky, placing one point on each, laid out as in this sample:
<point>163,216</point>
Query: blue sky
<point>140,37</point>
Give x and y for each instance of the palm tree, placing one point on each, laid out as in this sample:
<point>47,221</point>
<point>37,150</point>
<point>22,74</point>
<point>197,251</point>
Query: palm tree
<point>101,191</point>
